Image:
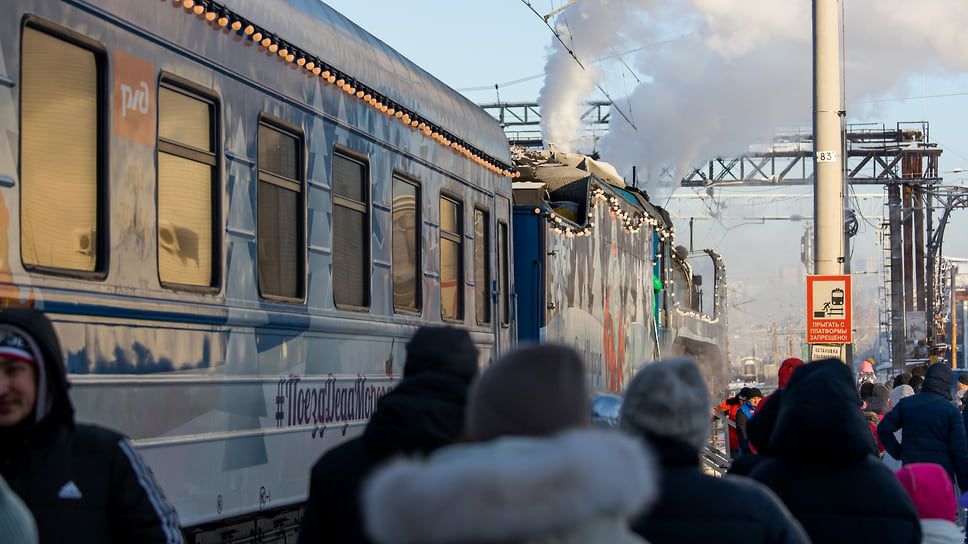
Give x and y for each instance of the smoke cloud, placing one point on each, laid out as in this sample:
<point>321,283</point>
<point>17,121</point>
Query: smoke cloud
<point>719,75</point>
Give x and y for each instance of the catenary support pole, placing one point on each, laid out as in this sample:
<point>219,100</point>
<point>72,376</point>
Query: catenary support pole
<point>828,138</point>
<point>828,182</point>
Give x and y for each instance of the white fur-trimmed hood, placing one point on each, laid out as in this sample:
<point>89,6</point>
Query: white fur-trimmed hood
<point>510,488</point>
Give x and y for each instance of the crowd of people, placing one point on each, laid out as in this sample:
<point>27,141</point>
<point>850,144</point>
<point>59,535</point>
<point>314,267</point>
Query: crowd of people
<point>508,454</point>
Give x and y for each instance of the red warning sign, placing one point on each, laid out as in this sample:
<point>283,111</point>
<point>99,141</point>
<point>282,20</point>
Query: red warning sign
<point>828,310</point>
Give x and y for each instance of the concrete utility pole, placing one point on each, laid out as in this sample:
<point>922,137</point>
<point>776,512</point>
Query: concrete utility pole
<point>828,199</point>
<point>829,149</point>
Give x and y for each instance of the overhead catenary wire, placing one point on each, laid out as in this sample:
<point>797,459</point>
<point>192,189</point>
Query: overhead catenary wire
<point>575,56</point>
<point>556,33</point>
<point>505,84</point>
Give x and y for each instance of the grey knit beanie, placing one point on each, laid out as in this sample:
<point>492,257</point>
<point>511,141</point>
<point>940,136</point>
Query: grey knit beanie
<point>537,390</point>
<point>900,392</point>
<point>668,399</point>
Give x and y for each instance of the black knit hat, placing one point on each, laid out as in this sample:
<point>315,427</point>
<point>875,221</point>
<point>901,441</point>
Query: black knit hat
<point>445,349</point>
<point>881,391</point>
<point>963,378</point>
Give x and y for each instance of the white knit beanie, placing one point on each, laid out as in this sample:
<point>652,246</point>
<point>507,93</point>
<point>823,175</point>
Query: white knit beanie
<point>669,399</point>
<point>899,392</point>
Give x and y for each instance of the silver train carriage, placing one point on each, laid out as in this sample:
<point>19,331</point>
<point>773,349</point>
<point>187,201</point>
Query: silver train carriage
<point>236,213</point>
<point>595,267</point>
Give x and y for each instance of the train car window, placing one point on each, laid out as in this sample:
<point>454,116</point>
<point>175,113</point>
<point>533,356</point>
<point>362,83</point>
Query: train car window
<point>406,246</point>
<point>482,266</point>
<point>503,272</point>
<point>351,233</point>
<point>187,247</point>
<point>451,259</point>
<point>280,214</point>
<point>60,136</point>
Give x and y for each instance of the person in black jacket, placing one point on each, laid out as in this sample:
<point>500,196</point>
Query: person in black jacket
<point>743,416</point>
<point>83,483</point>
<point>667,404</point>
<point>821,461</point>
<point>934,431</point>
<point>423,413</point>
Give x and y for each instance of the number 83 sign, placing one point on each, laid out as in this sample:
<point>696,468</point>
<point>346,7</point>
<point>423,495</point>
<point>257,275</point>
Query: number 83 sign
<point>826,156</point>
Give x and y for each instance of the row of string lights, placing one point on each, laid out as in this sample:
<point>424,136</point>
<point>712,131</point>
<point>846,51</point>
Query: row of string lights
<point>223,18</point>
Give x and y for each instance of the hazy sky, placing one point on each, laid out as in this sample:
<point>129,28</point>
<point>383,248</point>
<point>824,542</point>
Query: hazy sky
<point>699,79</point>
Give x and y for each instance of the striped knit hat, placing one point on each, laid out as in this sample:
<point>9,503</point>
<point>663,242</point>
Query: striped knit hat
<point>15,346</point>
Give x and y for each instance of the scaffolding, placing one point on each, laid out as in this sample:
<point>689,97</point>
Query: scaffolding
<point>884,329</point>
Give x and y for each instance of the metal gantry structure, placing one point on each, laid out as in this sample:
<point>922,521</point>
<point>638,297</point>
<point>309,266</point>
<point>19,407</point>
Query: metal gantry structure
<point>901,158</point>
<point>906,164</point>
<point>522,120</point>
<point>875,154</point>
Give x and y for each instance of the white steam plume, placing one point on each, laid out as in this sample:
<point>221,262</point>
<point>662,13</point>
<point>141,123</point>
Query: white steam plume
<point>729,73</point>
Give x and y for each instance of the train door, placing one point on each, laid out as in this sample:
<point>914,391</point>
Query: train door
<point>529,272</point>
<point>501,288</point>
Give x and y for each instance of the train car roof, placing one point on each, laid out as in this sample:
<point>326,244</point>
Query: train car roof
<point>552,170</point>
<point>324,32</point>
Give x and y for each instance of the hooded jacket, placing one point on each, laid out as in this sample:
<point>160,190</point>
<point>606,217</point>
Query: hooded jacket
<point>786,370</point>
<point>934,431</point>
<point>782,378</point>
<point>823,464</point>
<point>83,483</point>
<point>934,497</point>
<point>694,507</point>
<point>424,412</point>
<point>578,486</point>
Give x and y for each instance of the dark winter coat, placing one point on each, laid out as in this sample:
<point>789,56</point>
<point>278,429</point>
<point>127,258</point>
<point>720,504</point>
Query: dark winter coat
<point>824,465</point>
<point>83,483</point>
<point>934,431</point>
<point>964,419</point>
<point>694,507</point>
<point>423,413</point>
<point>760,428</point>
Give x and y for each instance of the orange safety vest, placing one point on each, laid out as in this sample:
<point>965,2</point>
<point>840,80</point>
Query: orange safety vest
<point>729,410</point>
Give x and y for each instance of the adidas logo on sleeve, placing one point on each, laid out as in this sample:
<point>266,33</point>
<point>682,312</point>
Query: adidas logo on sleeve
<point>69,491</point>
